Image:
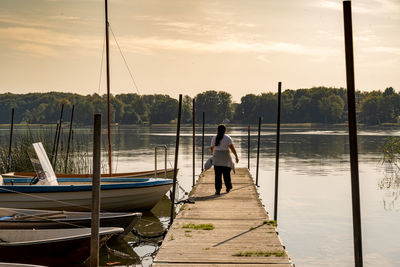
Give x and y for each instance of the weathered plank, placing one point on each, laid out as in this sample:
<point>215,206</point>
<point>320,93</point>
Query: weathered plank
<point>241,226</point>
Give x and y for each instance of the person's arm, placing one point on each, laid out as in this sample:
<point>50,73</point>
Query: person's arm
<point>212,145</point>
<point>232,148</point>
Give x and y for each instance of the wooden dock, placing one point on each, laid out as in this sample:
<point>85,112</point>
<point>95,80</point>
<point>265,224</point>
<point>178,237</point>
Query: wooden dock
<point>243,233</point>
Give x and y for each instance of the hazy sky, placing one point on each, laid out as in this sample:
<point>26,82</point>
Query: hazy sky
<point>189,46</point>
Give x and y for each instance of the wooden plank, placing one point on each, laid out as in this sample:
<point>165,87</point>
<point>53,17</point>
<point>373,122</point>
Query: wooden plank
<point>241,224</point>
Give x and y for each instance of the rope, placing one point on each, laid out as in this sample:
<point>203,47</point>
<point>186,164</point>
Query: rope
<point>151,235</point>
<point>126,64</point>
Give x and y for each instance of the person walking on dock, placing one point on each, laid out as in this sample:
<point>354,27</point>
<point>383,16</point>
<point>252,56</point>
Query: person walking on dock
<point>223,164</point>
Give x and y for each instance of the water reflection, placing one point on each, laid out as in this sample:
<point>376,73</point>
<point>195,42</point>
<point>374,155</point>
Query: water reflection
<point>315,188</point>
<point>390,186</point>
<point>139,249</point>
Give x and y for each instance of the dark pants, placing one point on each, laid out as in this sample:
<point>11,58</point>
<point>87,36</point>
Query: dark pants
<point>219,171</point>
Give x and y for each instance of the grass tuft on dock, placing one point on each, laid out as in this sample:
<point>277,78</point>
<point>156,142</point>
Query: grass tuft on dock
<point>206,226</point>
<point>259,254</point>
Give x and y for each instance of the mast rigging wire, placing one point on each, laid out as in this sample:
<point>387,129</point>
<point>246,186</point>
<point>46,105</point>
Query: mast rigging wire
<point>123,57</point>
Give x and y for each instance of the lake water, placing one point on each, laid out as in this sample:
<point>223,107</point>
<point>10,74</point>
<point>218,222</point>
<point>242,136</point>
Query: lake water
<point>314,209</point>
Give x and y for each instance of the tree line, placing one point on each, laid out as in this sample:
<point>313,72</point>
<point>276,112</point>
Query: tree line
<point>313,105</point>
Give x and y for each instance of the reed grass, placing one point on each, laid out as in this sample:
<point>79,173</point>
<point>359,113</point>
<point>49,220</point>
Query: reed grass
<point>79,159</point>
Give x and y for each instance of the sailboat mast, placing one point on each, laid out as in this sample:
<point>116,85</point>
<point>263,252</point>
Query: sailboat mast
<point>108,90</point>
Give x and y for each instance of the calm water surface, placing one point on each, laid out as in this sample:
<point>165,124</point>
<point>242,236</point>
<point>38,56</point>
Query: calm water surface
<point>314,214</point>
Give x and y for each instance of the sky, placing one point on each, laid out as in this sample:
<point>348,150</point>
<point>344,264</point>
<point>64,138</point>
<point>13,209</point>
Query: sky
<point>189,46</point>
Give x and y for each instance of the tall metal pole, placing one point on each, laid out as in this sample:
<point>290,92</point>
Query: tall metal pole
<point>11,138</point>
<point>278,131</point>
<point>69,138</point>
<point>248,147</point>
<point>94,241</point>
<point>194,140</point>
<point>258,148</point>
<point>108,91</point>
<point>178,130</point>
<point>202,144</point>
<point>351,103</point>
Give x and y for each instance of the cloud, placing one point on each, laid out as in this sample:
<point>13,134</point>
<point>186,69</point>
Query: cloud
<point>383,49</point>
<point>223,46</point>
<point>36,50</point>
<point>45,41</point>
<point>63,17</point>
<point>19,21</point>
<point>371,6</point>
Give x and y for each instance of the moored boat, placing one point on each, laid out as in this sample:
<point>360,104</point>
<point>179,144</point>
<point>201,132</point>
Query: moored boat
<point>116,194</point>
<point>43,219</point>
<point>50,247</point>
<point>141,174</point>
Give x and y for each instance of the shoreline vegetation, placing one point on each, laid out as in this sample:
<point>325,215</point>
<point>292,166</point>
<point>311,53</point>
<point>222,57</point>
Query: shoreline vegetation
<point>321,105</point>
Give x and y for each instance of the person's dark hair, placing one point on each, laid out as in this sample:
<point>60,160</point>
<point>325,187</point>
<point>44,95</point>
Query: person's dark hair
<point>220,133</point>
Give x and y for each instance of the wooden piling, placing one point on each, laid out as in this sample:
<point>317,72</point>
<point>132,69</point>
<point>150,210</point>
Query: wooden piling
<point>258,148</point>
<point>58,133</point>
<point>278,132</point>
<point>178,130</point>
<point>11,138</point>
<point>94,245</point>
<point>352,120</point>
<point>248,147</point>
<point>194,140</point>
<point>202,144</point>
<point>69,138</point>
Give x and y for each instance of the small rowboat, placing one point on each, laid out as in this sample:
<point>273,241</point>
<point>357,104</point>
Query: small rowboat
<point>50,247</point>
<point>44,219</point>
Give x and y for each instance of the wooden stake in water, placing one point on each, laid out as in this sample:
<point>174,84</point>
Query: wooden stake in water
<point>11,138</point>
<point>56,139</point>
<point>69,138</point>
<point>94,245</point>
<point>351,103</point>
<point>248,147</point>
<point>194,140</point>
<point>278,131</point>
<point>258,148</point>
<point>178,130</point>
<point>202,144</point>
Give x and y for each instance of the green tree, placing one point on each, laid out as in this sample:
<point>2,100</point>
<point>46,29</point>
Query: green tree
<point>216,105</point>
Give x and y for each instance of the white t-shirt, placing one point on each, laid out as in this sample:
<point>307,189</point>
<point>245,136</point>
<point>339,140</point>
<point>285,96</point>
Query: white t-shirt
<point>223,144</point>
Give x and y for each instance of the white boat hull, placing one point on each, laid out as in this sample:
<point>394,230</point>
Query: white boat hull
<point>118,199</point>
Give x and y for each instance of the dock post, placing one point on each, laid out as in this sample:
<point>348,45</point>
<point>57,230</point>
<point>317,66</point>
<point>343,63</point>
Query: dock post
<point>202,145</point>
<point>258,149</point>
<point>194,139</point>
<point>11,138</point>
<point>351,104</point>
<point>55,137</point>
<point>94,241</point>
<point>69,138</point>
<point>58,137</point>
<point>278,131</point>
<point>248,147</point>
<point>178,129</point>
